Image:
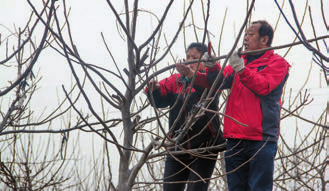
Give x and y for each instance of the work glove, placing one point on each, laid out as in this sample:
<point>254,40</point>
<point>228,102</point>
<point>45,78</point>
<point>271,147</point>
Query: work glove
<point>209,63</point>
<point>236,62</point>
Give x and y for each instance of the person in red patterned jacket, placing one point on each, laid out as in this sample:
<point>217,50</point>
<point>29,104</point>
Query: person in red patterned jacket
<point>256,83</point>
<point>172,92</point>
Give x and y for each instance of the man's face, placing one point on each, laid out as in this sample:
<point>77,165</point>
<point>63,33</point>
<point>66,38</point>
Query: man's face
<point>194,54</point>
<point>252,40</point>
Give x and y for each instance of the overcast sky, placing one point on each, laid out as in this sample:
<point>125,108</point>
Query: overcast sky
<point>91,18</point>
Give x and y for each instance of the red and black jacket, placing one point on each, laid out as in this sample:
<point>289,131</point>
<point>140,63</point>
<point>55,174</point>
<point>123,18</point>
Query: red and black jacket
<point>172,93</point>
<point>255,97</point>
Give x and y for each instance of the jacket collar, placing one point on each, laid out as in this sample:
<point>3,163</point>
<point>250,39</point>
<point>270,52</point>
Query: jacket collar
<point>260,61</point>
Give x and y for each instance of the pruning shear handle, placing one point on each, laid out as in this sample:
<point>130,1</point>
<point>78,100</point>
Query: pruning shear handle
<point>209,48</point>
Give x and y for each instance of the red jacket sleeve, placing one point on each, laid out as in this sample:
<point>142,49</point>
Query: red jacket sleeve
<point>201,78</point>
<point>167,85</point>
<point>264,81</point>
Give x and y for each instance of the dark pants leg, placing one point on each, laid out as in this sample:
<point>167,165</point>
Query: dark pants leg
<point>174,172</point>
<point>257,173</point>
<point>204,167</point>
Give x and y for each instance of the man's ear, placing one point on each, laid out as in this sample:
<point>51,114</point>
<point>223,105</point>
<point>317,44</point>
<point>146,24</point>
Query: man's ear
<point>264,39</point>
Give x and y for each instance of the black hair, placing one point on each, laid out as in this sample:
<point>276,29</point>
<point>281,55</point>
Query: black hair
<point>202,48</point>
<point>265,29</point>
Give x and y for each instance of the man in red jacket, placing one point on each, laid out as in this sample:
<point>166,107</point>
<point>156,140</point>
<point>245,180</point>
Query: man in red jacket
<point>255,82</point>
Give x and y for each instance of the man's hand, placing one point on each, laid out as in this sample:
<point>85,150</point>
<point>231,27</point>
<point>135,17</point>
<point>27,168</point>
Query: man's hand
<point>236,62</point>
<point>153,85</point>
<point>208,64</point>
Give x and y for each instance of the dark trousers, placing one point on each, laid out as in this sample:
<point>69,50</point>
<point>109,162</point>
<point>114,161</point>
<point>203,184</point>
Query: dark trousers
<point>257,173</point>
<point>175,171</point>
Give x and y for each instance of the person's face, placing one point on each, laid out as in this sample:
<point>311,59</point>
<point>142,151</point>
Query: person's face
<point>194,54</point>
<point>252,40</point>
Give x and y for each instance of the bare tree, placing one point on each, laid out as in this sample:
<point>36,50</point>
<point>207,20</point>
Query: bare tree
<point>29,161</point>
